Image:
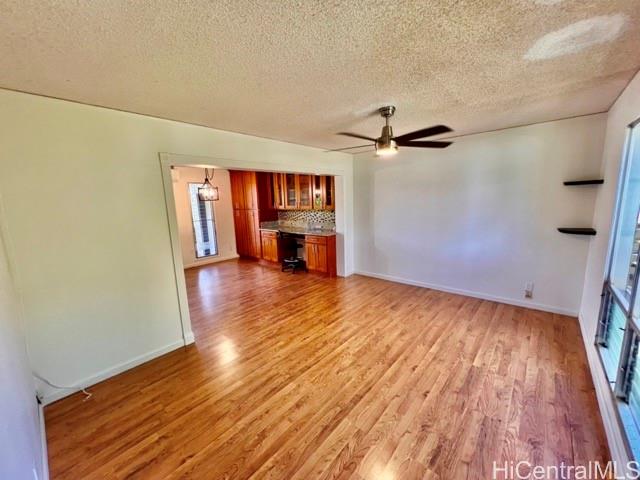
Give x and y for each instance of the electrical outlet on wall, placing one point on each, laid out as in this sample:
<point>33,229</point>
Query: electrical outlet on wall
<point>528,290</point>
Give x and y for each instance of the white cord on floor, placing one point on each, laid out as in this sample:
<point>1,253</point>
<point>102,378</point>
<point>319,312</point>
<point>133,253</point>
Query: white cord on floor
<point>83,390</point>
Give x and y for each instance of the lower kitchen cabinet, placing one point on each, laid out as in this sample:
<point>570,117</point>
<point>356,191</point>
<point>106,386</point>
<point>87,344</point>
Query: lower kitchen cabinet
<point>320,252</point>
<point>271,251</point>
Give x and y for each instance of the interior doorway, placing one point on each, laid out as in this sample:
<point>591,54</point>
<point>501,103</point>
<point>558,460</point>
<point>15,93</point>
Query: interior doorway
<point>210,231</point>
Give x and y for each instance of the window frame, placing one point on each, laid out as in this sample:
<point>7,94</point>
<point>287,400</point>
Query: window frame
<point>631,340</point>
<point>193,226</point>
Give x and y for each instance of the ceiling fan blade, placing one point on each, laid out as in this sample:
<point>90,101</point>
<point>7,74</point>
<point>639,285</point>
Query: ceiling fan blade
<point>355,135</point>
<point>425,132</point>
<point>349,148</point>
<point>424,144</point>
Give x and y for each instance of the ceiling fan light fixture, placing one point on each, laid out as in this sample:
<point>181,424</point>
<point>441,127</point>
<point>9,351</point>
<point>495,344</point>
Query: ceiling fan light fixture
<point>386,149</point>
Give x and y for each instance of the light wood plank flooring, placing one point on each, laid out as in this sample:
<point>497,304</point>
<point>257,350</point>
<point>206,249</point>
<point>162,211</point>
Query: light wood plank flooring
<point>302,377</point>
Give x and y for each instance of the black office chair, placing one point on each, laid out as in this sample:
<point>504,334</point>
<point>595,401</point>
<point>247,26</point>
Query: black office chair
<point>292,261</point>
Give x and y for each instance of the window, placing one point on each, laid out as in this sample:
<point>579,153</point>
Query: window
<point>204,225</point>
<point>618,335</point>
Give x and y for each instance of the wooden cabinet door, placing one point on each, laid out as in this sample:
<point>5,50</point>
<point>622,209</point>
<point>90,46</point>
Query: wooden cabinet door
<point>269,246</point>
<point>290,191</point>
<point>273,249</point>
<point>250,187</point>
<point>305,191</point>
<point>321,257</point>
<point>319,250</point>
<point>328,192</point>
<point>318,200</point>
<point>253,234</point>
<point>241,231</point>
<point>310,254</point>
<point>237,189</point>
<point>278,191</point>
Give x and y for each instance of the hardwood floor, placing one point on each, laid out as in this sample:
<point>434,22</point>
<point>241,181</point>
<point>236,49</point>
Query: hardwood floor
<point>303,377</point>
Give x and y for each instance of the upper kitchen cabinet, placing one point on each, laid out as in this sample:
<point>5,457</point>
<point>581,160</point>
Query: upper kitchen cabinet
<point>318,197</point>
<point>290,191</point>
<point>323,192</point>
<point>250,186</point>
<point>237,189</point>
<point>329,192</point>
<point>305,189</point>
<point>277,189</point>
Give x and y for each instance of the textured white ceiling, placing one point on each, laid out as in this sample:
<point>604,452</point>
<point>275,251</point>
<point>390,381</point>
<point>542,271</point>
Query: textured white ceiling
<point>302,70</point>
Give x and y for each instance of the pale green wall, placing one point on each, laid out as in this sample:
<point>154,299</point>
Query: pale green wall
<point>86,216</point>
<point>20,445</point>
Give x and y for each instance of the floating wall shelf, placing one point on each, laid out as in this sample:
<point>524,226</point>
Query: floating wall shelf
<point>577,231</point>
<point>598,181</point>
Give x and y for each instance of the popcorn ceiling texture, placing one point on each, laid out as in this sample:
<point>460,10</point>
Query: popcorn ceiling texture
<point>302,70</point>
<point>577,36</point>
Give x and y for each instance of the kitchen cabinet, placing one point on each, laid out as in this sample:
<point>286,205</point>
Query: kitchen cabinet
<point>328,192</point>
<point>252,201</point>
<point>249,185</point>
<point>290,191</point>
<point>320,253</point>
<point>277,188</point>
<point>237,189</point>
<point>305,192</point>
<point>271,251</point>
<point>318,196</point>
<point>247,227</point>
<point>323,192</point>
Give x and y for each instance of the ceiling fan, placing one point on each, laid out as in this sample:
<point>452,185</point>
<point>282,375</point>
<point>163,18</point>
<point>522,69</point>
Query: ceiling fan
<point>386,144</point>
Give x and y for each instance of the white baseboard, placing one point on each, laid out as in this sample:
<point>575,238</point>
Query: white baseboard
<point>43,444</point>
<point>110,372</point>
<point>615,435</point>
<point>210,260</point>
<point>468,293</point>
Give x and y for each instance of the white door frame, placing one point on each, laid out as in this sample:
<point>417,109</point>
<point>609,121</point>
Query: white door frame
<point>344,238</point>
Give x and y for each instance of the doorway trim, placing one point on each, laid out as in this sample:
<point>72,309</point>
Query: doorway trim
<point>344,212</point>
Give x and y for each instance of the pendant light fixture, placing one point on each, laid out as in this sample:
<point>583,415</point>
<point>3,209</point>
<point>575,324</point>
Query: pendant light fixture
<point>207,192</point>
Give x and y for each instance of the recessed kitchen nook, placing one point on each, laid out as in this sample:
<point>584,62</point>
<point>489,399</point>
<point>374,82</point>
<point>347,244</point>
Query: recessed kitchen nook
<point>285,219</point>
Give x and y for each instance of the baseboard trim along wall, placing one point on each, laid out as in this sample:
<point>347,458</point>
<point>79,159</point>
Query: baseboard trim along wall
<point>468,293</point>
<point>211,260</point>
<point>113,371</point>
<point>615,436</point>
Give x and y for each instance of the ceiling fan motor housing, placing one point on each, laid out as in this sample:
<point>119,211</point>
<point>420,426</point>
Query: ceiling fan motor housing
<point>385,141</point>
<point>386,138</point>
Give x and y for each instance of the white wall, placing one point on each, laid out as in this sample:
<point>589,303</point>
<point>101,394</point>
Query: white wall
<point>86,215</point>
<point>222,211</point>
<point>20,442</point>
<point>480,217</point>
<point>624,111</point>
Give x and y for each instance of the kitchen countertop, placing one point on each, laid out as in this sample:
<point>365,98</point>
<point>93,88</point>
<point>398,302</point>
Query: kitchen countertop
<point>299,230</point>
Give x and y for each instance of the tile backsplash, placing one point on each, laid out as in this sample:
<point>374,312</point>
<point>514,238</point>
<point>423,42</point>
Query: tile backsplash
<point>308,218</point>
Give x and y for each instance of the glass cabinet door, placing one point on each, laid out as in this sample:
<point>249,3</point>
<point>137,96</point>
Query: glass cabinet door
<point>291,198</point>
<point>329,193</point>
<point>278,190</point>
<point>318,200</point>
<point>304,191</point>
